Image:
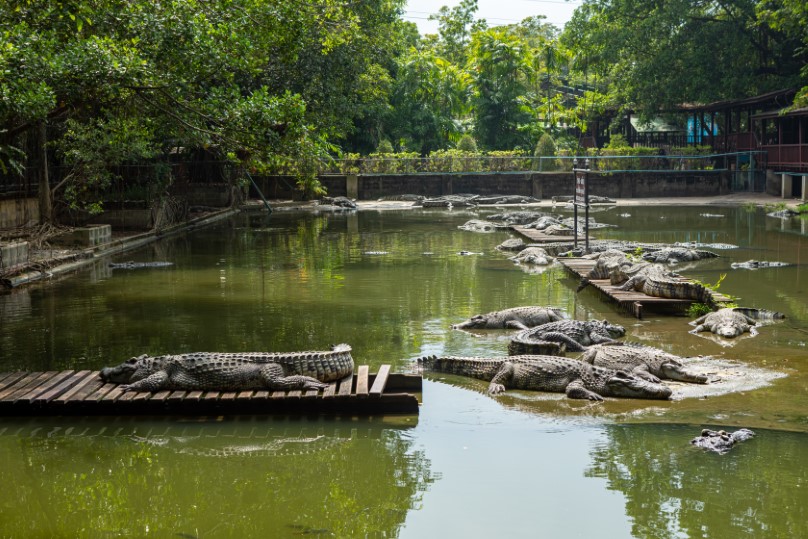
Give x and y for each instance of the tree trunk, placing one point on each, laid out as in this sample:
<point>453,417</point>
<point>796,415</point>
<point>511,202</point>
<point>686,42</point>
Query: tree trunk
<point>45,204</point>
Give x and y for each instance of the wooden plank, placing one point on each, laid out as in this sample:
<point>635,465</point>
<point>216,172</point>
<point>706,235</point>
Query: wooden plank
<point>86,390</point>
<point>34,381</point>
<point>21,382</point>
<point>245,394</point>
<point>101,392</point>
<point>160,396</point>
<point>362,380</point>
<point>294,394</point>
<point>262,394</point>
<point>310,393</point>
<point>228,396</point>
<point>177,396</point>
<point>193,396</point>
<point>210,396</point>
<point>11,377</point>
<point>65,385</point>
<point>91,378</point>
<point>381,381</point>
<point>116,393</point>
<point>29,396</point>
<point>345,386</point>
<point>278,394</point>
<point>330,391</point>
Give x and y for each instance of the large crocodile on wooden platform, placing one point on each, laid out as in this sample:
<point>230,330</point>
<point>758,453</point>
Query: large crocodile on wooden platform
<point>577,379</point>
<point>674,255</point>
<point>733,321</point>
<point>647,362</point>
<point>233,371</point>
<point>576,335</point>
<point>515,318</point>
<point>654,280</point>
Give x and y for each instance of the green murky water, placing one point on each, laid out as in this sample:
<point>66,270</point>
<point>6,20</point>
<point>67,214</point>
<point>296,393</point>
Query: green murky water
<point>390,284</point>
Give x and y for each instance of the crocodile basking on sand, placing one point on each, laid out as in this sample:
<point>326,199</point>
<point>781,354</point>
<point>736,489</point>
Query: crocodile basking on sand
<point>577,379</point>
<point>232,371</point>
<point>649,363</point>
<point>515,318</point>
<point>575,335</point>
<point>733,321</point>
<point>721,441</point>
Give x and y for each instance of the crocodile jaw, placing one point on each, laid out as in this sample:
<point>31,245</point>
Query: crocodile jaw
<point>631,387</point>
<point>674,371</point>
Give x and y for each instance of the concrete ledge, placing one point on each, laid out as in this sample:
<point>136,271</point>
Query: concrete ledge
<point>82,258</point>
<point>13,255</point>
<point>89,236</point>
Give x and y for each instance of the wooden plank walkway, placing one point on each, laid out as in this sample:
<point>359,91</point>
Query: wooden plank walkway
<point>84,393</point>
<point>628,300</point>
<point>537,236</point>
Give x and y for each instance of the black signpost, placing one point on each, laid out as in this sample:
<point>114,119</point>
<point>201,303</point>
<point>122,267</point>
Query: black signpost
<point>581,198</point>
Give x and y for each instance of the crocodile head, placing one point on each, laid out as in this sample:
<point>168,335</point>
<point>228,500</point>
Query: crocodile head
<point>479,321</point>
<point>614,331</point>
<point>126,372</point>
<point>120,374</point>
<point>729,328</point>
<point>622,384</point>
<point>674,370</point>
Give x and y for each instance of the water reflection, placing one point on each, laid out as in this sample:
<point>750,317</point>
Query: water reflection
<point>248,478</point>
<point>673,489</point>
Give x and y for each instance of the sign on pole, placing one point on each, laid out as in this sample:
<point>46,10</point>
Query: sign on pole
<point>581,198</point>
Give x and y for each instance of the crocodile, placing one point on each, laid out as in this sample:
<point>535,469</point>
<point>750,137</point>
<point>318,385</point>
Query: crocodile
<point>507,199</point>
<point>576,335</point>
<point>138,265</point>
<point>448,201</point>
<point>757,264</point>
<point>232,371</point>
<point>513,244</point>
<point>675,255</point>
<point>339,202</point>
<point>478,225</point>
<point>733,321</point>
<point>515,317</point>
<point>542,222</point>
<point>654,280</point>
<point>577,379</point>
<point>533,255</point>
<point>516,217</point>
<point>647,362</point>
<point>721,441</point>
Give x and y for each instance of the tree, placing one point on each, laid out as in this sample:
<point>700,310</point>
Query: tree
<point>658,55</point>
<point>499,64</point>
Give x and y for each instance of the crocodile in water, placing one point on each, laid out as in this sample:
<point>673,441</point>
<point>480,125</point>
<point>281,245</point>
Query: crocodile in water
<point>733,321</point>
<point>577,379</point>
<point>674,255</point>
<point>721,441</point>
<point>232,371</point>
<point>646,362</point>
<point>139,265</point>
<point>576,335</point>
<point>515,317</point>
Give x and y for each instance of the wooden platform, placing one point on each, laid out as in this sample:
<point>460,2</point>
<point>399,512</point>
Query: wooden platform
<point>629,300</point>
<point>84,393</point>
<point>537,236</point>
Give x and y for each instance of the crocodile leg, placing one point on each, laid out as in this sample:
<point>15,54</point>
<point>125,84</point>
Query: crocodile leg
<point>699,329</point>
<point>501,379</point>
<point>515,324</point>
<point>273,376</point>
<point>154,382</point>
<point>572,345</point>
<point>641,371</point>
<point>576,390</point>
<point>600,339</point>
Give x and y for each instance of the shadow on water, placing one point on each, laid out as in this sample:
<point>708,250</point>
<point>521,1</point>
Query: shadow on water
<point>673,489</point>
<point>245,477</point>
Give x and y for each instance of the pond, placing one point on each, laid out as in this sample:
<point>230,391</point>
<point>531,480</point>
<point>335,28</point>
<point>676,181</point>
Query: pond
<point>390,283</point>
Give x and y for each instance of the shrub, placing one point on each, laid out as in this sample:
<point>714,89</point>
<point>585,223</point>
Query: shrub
<point>467,144</point>
<point>545,148</point>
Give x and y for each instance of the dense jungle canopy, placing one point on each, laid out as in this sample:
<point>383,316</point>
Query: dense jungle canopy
<point>286,82</point>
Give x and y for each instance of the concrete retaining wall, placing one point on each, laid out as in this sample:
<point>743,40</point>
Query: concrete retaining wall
<point>13,255</point>
<point>19,212</point>
<point>536,184</point>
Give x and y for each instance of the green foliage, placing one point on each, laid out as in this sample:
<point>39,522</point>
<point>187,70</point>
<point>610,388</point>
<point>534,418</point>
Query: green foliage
<point>697,310</point>
<point>802,208</point>
<point>384,147</point>
<point>467,144</point>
